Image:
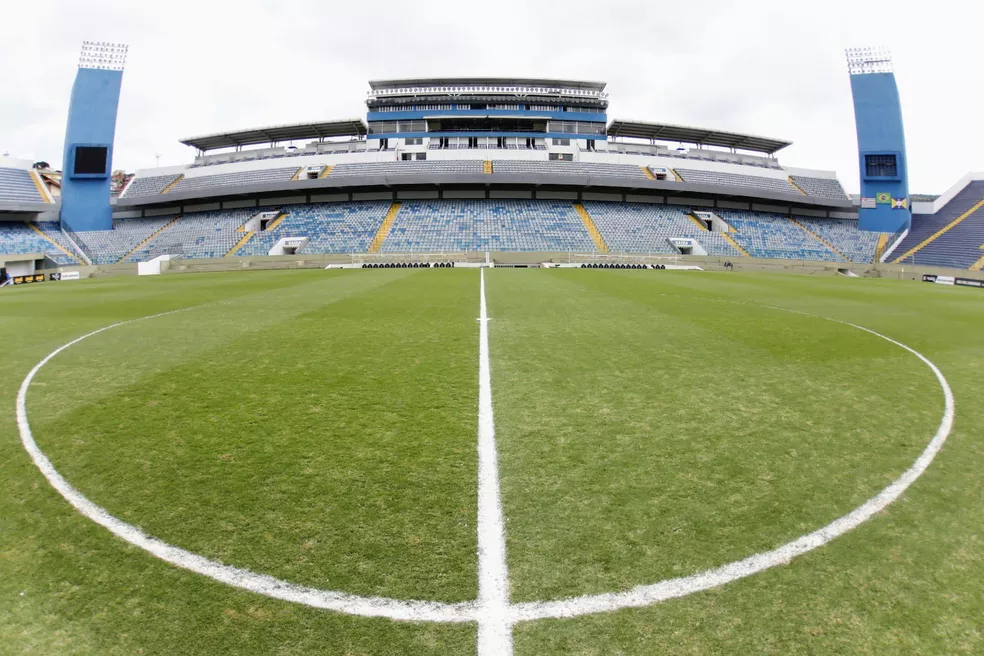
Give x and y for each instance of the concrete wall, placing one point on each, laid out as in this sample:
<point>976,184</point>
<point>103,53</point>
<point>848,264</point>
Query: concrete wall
<point>710,263</point>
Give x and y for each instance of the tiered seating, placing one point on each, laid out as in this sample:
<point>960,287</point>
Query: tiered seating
<point>820,187</point>
<point>109,246</point>
<point>329,227</point>
<point>567,168</point>
<point>645,228</point>
<point>196,234</point>
<point>150,186</point>
<point>17,185</point>
<point>487,225</point>
<point>234,179</point>
<point>698,176</point>
<point>19,238</point>
<point>775,236</point>
<point>958,247</point>
<point>858,245</point>
<point>408,168</point>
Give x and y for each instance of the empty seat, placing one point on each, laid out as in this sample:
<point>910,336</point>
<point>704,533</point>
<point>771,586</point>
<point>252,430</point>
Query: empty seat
<point>18,238</point>
<point>844,235</point>
<point>197,235</point>
<point>763,234</point>
<point>329,227</point>
<point>237,178</point>
<point>149,186</point>
<point>698,176</point>
<point>820,187</point>
<point>647,228</point>
<point>17,185</point>
<point>109,246</point>
<point>487,225</point>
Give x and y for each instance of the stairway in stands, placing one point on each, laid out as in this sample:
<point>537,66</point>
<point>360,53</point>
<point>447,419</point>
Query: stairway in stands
<point>816,236</point>
<point>384,228</point>
<point>592,229</point>
<point>880,247</point>
<point>54,242</point>
<point>952,237</point>
<point>148,239</point>
<point>242,242</point>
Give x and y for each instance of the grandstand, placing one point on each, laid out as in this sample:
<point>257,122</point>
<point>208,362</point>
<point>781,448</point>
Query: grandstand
<point>42,237</point>
<point>647,228</point>
<point>952,236</point>
<point>488,164</point>
<point>463,225</point>
<point>110,246</point>
<point>328,227</point>
<point>485,225</point>
<point>775,236</point>
<point>193,235</point>
<point>18,185</point>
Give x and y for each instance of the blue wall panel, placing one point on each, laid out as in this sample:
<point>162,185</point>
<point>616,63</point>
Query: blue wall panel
<point>878,118</point>
<point>554,116</point>
<point>91,121</point>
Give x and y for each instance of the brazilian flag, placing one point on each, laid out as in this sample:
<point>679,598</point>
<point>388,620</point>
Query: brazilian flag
<point>883,198</point>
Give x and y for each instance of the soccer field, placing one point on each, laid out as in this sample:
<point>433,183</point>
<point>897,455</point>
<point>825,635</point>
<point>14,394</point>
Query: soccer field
<point>311,438</point>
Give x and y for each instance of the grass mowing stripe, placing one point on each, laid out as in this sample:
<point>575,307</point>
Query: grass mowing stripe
<point>664,590</point>
<point>70,587</point>
<point>334,455</point>
<point>264,585</point>
<point>637,446</point>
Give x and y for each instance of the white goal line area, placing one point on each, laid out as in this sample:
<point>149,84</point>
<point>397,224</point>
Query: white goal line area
<point>493,611</point>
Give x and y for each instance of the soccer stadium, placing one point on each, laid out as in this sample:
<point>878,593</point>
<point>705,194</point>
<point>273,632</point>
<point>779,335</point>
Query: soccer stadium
<point>492,370</point>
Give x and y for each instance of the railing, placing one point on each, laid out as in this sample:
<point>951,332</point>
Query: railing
<point>893,243</point>
<point>514,90</point>
<point>71,240</point>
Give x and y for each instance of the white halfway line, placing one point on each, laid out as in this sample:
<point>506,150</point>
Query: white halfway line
<point>494,625</point>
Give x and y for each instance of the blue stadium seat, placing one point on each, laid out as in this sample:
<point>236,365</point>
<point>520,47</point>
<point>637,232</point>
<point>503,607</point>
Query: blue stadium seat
<point>487,225</point>
<point>647,228</point>
<point>329,227</point>
<point>17,185</point>
<point>774,236</point>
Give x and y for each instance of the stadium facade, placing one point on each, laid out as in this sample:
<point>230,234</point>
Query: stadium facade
<point>495,165</point>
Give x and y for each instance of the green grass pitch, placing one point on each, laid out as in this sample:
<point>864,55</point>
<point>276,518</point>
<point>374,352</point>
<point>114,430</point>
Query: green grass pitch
<point>320,427</point>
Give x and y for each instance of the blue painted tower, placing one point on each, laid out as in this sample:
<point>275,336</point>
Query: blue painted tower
<point>885,203</point>
<point>89,136</point>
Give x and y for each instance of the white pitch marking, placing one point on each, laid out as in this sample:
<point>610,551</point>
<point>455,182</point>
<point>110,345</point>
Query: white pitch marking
<point>494,625</point>
<point>645,595</point>
<point>420,611</point>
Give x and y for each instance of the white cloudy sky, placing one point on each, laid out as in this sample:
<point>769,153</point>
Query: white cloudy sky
<point>774,68</point>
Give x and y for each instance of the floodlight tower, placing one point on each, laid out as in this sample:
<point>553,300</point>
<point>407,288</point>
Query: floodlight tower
<point>881,141</point>
<point>89,137</point>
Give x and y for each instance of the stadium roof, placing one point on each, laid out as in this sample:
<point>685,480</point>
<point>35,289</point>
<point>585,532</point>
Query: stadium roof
<point>377,85</point>
<point>345,128</point>
<point>700,136</point>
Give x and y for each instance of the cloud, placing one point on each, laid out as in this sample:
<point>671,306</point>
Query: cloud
<point>768,67</point>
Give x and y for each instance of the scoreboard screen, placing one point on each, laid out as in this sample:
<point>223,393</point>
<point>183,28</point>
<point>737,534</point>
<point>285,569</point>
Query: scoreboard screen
<point>90,160</point>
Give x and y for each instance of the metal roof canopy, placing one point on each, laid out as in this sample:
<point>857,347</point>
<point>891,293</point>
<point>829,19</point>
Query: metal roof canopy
<point>699,136</point>
<point>277,133</point>
<point>485,81</point>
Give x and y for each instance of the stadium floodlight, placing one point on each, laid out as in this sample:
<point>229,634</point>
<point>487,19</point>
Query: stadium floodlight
<point>862,61</point>
<point>102,55</point>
